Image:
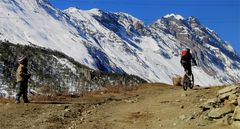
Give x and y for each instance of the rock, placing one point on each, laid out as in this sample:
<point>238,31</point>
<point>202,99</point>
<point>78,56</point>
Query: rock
<point>131,100</point>
<point>213,101</point>
<point>183,95</point>
<point>228,89</point>
<point>215,113</point>
<point>202,124</point>
<point>70,115</point>
<point>230,103</point>
<point>177,81</point>
<point>236,114</point>
<point>66,107</point>
<point>227,102</point>
<point>236,124</point>
<point>238,100</point>
<point>68,110</point>
<point>89,112</point>
<point>182,117</point>
<point>177,100</point>
<point>218,113</point>
<point>227,120</point>
<point>201,100</point>
<point>224,96</point>
<point>232,97</point>
<point>235,102</point>
<point>206,106</point>
<point>195,114</point>
<point>182,106</point>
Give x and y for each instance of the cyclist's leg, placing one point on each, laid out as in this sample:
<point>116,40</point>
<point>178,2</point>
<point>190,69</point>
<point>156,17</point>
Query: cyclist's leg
<point>189,70</point>
<point>186,71</point>
<point>190,74</point>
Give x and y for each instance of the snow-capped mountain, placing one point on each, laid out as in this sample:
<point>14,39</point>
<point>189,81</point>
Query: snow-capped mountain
<point>121,43</point>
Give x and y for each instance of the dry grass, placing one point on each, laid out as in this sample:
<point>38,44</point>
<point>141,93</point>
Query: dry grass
<point>5,100</point>
<point>46,98</point>
<point>116,89</point>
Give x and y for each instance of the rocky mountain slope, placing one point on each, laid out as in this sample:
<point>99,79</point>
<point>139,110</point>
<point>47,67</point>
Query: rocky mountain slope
<point>121,43</point>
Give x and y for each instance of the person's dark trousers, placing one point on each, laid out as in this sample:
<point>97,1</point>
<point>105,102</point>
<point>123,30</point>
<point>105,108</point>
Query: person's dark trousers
<point>22,90</point>
<point>188,68</point>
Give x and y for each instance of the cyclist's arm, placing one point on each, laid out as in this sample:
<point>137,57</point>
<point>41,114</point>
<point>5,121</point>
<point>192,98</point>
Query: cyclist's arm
<point>194,60</point>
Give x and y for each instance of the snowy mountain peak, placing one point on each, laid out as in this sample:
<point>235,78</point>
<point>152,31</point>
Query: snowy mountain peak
<point>175,16</point>
<point>95,11</point>
<point>71,9</point>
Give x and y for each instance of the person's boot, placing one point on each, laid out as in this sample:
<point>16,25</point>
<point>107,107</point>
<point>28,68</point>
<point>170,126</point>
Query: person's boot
<point>25,100</point>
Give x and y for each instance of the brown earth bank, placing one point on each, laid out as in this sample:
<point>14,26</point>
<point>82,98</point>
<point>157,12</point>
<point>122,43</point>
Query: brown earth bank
<point>150,106</point>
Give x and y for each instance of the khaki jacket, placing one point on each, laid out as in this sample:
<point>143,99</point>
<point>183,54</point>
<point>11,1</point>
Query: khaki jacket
<point>22,73</point>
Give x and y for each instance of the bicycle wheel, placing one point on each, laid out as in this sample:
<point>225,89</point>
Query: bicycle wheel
<point>185,83</point>
<point>192,82</point>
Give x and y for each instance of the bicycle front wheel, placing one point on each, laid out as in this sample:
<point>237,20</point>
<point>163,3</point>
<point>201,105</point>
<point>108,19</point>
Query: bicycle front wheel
<point>185,84</point>
<point>192,82</point>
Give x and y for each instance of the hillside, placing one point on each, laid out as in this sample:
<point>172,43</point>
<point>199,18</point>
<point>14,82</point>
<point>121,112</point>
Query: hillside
<point>54,72</point>
<point>121,43</point>
<point>153,106</point>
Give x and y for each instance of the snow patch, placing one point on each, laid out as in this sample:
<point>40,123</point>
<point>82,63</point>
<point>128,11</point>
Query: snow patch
<point>176,16</point>
<point>66,63</point>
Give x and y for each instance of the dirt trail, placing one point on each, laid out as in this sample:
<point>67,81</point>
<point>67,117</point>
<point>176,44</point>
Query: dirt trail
<point>156,106</point>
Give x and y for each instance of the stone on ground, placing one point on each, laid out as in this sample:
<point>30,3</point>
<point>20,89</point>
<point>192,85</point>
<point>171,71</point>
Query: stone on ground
<point>236,114</point>
<point>218,113</point>
<point>228,89</point>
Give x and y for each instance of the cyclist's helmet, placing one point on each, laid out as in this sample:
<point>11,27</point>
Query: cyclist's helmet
<point>188,50</point>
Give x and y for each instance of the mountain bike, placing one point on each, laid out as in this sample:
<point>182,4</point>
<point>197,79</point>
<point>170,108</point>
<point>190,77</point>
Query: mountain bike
<point>188,81</point>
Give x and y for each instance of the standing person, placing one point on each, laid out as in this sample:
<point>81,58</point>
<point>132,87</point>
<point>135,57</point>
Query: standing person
<point>186,61</point>
<point>22,77</point>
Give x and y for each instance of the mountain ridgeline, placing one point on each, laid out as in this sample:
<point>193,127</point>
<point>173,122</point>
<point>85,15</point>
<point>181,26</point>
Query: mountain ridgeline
<point>120,43</point>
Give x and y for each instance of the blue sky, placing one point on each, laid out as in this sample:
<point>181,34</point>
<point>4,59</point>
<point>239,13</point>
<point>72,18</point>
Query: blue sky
<point>222,16</point>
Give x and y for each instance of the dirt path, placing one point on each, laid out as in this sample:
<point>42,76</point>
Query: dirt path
<point>153,107</point>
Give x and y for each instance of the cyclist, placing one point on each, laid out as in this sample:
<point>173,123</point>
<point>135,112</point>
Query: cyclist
<point>186,61</point>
